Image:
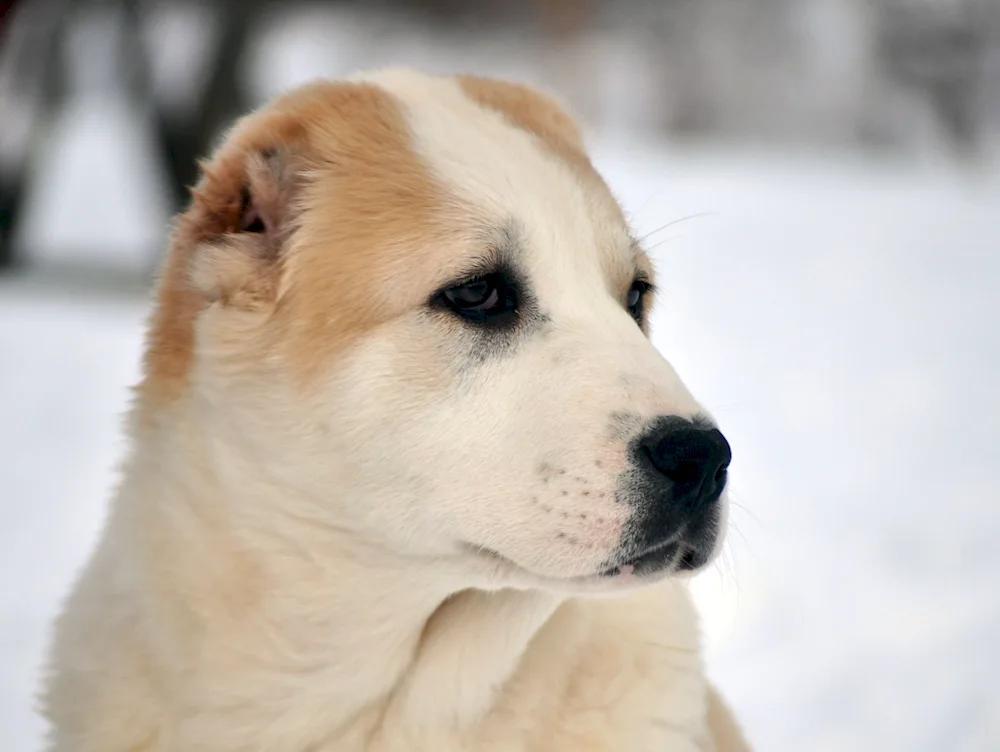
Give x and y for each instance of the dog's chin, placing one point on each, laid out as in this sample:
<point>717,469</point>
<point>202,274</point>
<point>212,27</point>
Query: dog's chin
<point>606,580</point>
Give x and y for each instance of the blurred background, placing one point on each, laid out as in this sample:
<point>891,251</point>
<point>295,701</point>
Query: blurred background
<point>819,183</point>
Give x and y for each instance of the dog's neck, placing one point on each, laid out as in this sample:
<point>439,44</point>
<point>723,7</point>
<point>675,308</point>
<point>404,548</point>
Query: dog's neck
<point>304,619</point>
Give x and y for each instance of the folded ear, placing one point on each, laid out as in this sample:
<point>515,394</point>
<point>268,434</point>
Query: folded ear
<point>239,222</point>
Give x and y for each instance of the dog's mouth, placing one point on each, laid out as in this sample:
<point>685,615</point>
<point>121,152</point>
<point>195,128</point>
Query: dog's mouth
<point>668,558</point>
<point>686,551</point>
<point>643,569</point>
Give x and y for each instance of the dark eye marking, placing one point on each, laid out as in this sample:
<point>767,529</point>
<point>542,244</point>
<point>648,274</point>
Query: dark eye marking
<point>638,293</point>
<point>489,299</point>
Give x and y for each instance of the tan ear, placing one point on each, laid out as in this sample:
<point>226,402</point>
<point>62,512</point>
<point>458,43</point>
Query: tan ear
<point>240,220</point>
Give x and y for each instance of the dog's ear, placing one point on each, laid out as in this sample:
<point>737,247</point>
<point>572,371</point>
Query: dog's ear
<point>240,220</point>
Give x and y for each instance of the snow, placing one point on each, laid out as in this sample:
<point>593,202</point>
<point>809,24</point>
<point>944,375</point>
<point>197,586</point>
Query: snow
<point>67,362</point>
<point>837,315</point>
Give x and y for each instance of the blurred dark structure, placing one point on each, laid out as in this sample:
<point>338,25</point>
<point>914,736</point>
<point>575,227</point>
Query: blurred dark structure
<point>941,49</point>
<point>713,67</point>
<point>182,134</point>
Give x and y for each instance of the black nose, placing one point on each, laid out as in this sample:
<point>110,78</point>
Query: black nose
<point>693,456</point>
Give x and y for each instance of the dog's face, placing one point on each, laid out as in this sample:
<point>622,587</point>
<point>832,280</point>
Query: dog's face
<point>423,312</point>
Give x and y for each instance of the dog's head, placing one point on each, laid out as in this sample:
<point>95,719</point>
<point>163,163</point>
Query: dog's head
<point>412,303</point>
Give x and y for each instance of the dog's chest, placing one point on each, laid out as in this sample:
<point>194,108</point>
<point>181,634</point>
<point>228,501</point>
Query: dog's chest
<point>627,694</point>
<point>629,679</point>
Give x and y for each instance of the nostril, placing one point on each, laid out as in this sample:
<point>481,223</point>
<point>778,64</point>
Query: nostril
<point>678,469</point>
<point>720,475</point>
<point>687,471</point>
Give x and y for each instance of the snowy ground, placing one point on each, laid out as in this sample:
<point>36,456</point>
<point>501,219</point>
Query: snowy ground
<point>840,320</point>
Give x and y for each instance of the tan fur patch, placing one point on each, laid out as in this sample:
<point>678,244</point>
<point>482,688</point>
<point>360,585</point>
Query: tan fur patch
<point>214,213</point>
<point>531,111</point>
<point>369,213</point>
<point>377,232</point>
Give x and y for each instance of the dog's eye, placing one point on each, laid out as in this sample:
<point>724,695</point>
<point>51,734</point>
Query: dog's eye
<point>637,298</point>
<point>487,299</point>
<point>480,295</point>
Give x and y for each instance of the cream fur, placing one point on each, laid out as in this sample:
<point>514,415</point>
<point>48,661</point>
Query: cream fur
<point>295,568</point>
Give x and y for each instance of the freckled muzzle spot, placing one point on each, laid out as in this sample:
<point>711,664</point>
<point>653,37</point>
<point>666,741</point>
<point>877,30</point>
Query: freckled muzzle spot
<point>544,469</point>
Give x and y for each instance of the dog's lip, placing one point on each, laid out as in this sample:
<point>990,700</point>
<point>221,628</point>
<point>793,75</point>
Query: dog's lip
<point>613,578</point>
<point>664,558</point>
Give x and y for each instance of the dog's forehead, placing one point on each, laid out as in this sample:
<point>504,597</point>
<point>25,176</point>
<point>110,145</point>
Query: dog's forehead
<point>516,160</point>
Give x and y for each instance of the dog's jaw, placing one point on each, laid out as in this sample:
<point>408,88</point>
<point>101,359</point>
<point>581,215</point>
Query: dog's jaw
<point>611,580</point>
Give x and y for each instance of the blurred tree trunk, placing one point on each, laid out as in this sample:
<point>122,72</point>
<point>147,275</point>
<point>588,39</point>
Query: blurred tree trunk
<point>938,50</point>
<point>31,83</point>
<point>186,134</point>
<point>35,88</point>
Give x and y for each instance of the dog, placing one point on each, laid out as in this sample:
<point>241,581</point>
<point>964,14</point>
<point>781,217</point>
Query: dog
<point>405,471</point>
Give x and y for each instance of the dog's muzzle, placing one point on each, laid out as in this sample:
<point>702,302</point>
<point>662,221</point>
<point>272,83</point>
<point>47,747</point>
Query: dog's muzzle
<point>680,468</point>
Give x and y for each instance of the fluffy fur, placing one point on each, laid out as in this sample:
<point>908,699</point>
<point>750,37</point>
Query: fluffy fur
<point>350,521</point>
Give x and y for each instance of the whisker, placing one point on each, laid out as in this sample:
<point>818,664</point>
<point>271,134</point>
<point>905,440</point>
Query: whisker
<point>736,579</point>
<point>658,243</point>
<point>650,234</point>
<point>734,501</point>
<point>646,203</point>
